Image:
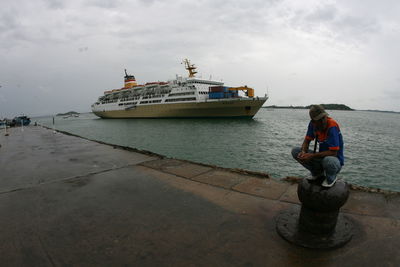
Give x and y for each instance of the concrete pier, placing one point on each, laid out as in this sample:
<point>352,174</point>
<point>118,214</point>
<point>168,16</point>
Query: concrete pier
<point>68,201</point>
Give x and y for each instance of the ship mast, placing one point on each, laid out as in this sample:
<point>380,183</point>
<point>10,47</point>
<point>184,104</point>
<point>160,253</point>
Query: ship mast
<point>189,67</point>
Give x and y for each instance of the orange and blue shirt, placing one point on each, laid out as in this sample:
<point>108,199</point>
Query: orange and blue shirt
<point>329,139</point>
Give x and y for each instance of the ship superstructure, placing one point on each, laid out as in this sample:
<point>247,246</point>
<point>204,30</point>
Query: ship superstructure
<point>178,98</point>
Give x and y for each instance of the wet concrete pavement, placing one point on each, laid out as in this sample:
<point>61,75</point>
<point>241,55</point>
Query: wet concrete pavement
<point>67,201</point>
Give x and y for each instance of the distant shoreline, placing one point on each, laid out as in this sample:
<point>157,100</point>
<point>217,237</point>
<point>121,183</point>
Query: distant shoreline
<point>326,106</point>
<point>68,113</point>
<point>331,107</point>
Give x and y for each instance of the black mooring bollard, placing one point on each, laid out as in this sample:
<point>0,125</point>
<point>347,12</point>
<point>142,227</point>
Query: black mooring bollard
<point>319,223</point>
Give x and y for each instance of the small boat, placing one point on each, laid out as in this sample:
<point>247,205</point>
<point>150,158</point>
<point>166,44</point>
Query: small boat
<point>21,120</point>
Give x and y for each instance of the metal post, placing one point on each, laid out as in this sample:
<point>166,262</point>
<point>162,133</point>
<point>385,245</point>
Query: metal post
<point>319,223</point>
<point>54,129</point>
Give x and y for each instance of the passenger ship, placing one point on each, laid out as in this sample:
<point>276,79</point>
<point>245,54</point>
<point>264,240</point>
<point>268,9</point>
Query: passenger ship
<point>188,97</point>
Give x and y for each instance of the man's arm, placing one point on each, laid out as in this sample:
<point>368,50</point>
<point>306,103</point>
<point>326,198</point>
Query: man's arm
<point>304,148</point>
<point>305,156</point>
<point>325,154</point>
<point>305,145</point>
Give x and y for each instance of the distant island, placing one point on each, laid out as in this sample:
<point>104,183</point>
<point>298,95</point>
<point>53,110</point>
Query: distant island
<point>326,106</point>
<point>384,111</point>
<point>68,113</point>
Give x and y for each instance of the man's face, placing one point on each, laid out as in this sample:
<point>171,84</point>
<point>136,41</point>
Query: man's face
<point>321,124</point>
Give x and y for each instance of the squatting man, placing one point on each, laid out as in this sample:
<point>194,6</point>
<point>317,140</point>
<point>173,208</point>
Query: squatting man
<point>328,161</point>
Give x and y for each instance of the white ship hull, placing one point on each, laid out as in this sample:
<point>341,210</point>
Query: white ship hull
<point>243,107</point>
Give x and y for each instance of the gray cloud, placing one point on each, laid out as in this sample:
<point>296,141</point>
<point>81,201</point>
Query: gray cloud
<point>54,4</point>
<point>338,25</point>
<point>107,4</point>
<point>8,20</point>
<point>393,94</point>
<point>326,13</point>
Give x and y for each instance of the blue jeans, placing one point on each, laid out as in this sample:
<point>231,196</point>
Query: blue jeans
<point>328,166</point>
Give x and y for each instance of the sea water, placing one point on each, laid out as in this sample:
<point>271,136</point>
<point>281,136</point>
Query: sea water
<point>264,143</point>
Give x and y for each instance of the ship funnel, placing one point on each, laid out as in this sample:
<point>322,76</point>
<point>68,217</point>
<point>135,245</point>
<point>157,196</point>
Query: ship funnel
<point>130,80</point>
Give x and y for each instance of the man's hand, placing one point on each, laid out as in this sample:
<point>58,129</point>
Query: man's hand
<point>304,157</point>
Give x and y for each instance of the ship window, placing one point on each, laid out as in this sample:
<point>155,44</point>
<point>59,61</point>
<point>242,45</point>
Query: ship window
<point>179,94</point>
<point>180,99</point>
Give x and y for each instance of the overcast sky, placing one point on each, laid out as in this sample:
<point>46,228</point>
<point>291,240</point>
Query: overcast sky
<point>61,55</point>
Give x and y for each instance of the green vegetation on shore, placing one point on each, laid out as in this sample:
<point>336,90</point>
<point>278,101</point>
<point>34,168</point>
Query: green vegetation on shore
<point>384,111</point>
<point>326,106</point>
